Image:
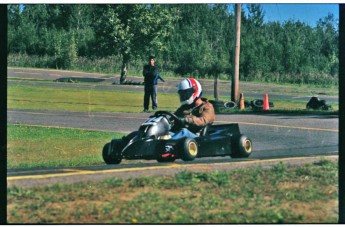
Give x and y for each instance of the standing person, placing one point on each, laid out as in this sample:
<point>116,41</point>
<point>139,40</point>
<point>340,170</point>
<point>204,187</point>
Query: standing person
<point>194,113</point>
<point>151,76</point>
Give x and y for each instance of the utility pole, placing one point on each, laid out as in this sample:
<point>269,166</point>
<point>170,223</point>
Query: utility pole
<point>236,57</point>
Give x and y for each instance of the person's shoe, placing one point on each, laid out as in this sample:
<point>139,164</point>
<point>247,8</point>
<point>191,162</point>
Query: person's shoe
<point>145,110</point>
<point>155,107</point>
<point>165,137</point>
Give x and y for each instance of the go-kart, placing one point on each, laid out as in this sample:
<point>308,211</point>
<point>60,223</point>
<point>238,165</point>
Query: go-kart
<point>152,141</point>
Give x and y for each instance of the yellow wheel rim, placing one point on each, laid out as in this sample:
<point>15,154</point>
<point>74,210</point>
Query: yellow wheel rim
<point>193,149</point>
<point>247,146</point>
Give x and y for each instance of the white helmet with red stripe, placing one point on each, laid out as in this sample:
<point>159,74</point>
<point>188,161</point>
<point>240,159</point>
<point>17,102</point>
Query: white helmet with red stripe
<point>189,91</point>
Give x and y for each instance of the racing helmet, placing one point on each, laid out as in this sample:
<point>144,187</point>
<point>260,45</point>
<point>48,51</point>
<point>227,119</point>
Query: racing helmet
<point>189,91</point>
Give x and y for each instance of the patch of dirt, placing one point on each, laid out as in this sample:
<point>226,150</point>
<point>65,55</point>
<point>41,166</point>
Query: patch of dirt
<point>314,212</point>
<point>291,185</point>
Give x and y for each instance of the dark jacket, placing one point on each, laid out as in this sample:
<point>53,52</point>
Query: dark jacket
<point>155,81</point>
<point>151,75</point>
<point>197,117</point>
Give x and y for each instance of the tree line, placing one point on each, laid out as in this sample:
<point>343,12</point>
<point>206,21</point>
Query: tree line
<point>187,39</point>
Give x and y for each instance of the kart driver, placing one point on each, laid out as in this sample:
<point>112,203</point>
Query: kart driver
<point>194,113</point>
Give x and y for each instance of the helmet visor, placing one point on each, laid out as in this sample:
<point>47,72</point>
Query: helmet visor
<point>186,94</point>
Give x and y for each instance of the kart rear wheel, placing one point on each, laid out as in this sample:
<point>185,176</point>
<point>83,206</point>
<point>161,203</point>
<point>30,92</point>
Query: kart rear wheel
<point>241,146</point>
<point>190,150</point>
<point>108,153</point>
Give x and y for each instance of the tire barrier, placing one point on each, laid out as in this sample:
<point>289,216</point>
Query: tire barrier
<point>256,104</point>
<point>316,104</point>
<point>128,82</point>
<point>79,79</point>
<point>246,104</point>
<point>230,105</point>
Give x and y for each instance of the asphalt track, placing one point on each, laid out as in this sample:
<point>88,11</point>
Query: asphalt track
<point>291,139</point>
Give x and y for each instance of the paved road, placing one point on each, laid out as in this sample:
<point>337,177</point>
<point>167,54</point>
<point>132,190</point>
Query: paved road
<point>274,136</point>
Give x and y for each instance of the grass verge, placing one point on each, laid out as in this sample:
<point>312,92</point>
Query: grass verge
<point>34,146</point>
<point>279,194</point>
<point>94,100</point>
<point>81,99</point>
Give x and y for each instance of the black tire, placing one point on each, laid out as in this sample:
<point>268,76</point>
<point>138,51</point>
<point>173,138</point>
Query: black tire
<point>326,107</point>
<point>241,146</point>
<point>190,150</point>
<point>168,159</point>
<point>246,104</point>
<point>230,105</point>
<point>257,103</point>
<point>109,155</point>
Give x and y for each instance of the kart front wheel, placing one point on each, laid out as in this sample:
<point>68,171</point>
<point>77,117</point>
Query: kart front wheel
<point>108,153</point>
<point>241,146</point>
<point>190,150</point>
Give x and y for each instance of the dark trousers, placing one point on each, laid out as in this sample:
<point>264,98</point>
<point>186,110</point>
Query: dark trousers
<point>150,91</point>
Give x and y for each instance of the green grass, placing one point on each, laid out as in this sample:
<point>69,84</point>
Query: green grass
<point>306,89</point>
<point>94,100</point>
<point>81,99</point>
<point>33,146</point>
<point>280,194</point>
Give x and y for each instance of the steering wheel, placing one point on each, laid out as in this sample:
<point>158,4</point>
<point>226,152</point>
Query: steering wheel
<point>172,116</point>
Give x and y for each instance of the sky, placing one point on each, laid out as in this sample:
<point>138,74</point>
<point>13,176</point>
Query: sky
<point>307,13</point>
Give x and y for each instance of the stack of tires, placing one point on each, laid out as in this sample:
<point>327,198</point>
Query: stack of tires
<point>256,104</point>
<point>315,103</point>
